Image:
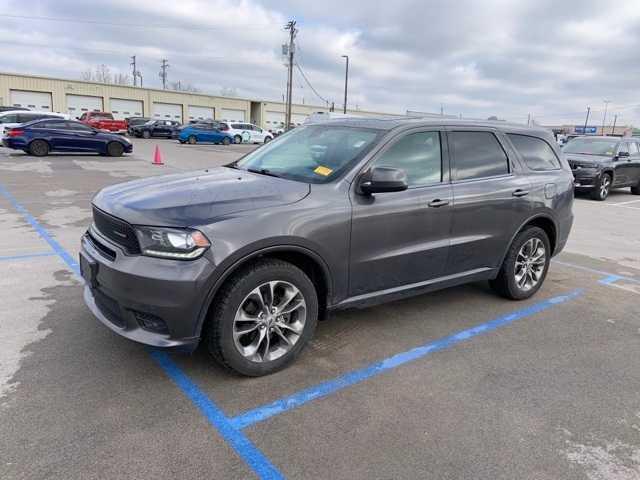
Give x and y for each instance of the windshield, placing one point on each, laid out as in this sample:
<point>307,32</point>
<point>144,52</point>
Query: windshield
<point>312,154</point>
<point>591,146</point>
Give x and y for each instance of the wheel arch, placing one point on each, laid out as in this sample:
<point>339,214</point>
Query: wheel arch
<point>307,260</point>
<point>41,140</point>
<point>541,220</point>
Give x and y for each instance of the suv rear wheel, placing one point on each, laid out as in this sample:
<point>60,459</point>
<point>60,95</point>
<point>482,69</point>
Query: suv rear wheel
<point>636,189</point>
<point>263,317</point>
<point>525,266</point>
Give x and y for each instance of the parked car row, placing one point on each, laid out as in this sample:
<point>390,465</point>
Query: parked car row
<point>53,134</point>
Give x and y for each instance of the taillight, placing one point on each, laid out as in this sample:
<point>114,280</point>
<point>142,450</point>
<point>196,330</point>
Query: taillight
<point>15,133</point>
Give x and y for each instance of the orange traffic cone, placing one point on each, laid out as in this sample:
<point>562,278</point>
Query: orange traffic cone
<point>157,157</point>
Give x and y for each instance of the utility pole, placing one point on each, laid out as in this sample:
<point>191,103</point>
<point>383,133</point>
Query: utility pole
<point>586,120</point>
<point>529,120</point>
<point>346,82</point>
<point>163,73</point>
<point>613,129</point>
<point>442,110</point>
<point>134,72</point>
<point>604,117</point>
<point>291,27</point>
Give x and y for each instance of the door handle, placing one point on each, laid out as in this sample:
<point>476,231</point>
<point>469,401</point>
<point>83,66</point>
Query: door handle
<point>520,193</point>
<point>438,203</point>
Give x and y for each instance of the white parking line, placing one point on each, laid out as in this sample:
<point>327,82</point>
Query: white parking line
<point>625,203</point>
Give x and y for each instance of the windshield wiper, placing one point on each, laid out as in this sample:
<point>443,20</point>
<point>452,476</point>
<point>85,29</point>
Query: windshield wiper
<point>263,171</point>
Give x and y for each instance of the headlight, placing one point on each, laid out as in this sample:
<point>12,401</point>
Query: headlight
<point>174,243</point>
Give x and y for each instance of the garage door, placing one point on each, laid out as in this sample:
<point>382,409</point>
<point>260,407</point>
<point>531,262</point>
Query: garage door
<point>79,104</point>
<point>298,118</point>
<point>274,120</point>
<point>232,115</point>
<point>167,111</point>
<point>201,113</point>
<point>121,108</point>
<point>31,100</point>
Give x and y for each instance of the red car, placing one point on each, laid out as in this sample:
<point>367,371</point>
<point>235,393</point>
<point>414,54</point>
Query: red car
<point>104,121</point>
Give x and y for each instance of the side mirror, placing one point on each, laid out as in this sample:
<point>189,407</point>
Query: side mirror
<point>383,179</point>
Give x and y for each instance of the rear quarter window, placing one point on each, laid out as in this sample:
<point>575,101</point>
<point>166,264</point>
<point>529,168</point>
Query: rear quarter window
<point>537,153</point>
<point>477,155</point>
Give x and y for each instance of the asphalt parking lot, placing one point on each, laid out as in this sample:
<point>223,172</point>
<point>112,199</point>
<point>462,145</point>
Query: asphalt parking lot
<point>458,384</point>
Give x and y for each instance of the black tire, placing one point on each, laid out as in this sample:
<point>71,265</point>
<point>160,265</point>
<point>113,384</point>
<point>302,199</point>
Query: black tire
<point>192,140</point>
<point>226,141</point>
<point>39,148</point>
<point>505,283</point>
<point>146,134</point>
<point>219,334</point>
<point>181,141</point>
<point>237,139</point>
<point>267,139</point>
<point>115,149</point>
<point>601,191</point>
<point>636,189</point>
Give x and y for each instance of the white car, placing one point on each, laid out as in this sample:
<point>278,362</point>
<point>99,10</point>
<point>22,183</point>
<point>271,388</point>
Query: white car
<point>12,118</point>
<point>246,132</point>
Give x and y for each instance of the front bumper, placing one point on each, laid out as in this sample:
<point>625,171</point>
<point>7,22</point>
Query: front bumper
<point>127,291</point>
<point>585,177</point>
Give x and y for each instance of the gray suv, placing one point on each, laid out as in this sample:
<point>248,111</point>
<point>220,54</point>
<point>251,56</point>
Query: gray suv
<point>346,213</point>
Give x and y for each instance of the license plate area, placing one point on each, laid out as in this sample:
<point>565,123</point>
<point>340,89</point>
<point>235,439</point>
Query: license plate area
<point>89,270</point>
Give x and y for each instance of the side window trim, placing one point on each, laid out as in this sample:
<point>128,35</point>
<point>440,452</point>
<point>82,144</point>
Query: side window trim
<point>444,154</point>
<point>496,134</point>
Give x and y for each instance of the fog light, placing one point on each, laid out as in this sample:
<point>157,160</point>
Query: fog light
<point>151,322</point>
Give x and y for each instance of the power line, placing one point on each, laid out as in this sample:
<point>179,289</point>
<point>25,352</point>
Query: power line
<point>309,83</point>
<point>132,25</point>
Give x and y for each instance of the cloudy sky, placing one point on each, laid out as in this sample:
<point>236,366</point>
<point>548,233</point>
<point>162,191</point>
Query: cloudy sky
<point>508,58</point>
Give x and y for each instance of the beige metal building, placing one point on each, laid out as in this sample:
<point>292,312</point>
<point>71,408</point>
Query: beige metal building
<point>76,97</point>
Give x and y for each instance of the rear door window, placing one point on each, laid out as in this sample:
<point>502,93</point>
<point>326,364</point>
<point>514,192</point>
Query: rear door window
<point>536,153</point>
<point>633,148</point>
<point>477,155</point>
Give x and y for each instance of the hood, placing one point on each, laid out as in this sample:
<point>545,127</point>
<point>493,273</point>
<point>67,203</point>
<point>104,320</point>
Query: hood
<point>591,159</point>
<point>196,198</point>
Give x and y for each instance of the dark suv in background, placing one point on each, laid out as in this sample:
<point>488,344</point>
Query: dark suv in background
<point>156,128</point>
<point>602,163</point>
<point>345,213</point>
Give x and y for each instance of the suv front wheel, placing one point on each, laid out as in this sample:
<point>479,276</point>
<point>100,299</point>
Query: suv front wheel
<point>263,317</point>
<point>525,266</point>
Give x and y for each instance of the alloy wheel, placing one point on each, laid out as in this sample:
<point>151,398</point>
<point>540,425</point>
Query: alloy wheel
<point>530,264</point>
<point>605,184</point>
<point>269,321</point>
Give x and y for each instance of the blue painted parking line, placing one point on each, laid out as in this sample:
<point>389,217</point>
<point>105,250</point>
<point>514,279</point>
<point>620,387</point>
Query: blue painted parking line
<point>327,388</point>
<point>609,276</point>
<point>610,279</point>
<point>238,441</point>
<point>241,444</point>
<point>27,256</point>
<point>53,243</point>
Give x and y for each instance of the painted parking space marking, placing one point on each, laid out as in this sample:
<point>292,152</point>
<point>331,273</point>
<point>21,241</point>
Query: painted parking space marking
<point>214,415</point>
<point>27,256</point>
<point>242,445</point>
<point>609,277</point>
<point>295,400</point>
<point>53,243</point>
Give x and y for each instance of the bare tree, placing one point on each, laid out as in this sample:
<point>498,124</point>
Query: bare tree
<point>181,86</point>
<point>103,74</point>
<point>121,79</point>
<point>228,92</point>
<point>87,75</point>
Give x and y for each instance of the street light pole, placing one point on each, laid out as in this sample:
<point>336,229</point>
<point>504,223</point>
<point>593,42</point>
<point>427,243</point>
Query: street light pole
<point>346,81</point>
<point>586,120</point>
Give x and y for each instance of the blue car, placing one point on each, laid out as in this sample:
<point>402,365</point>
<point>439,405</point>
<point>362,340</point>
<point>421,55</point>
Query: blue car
<point>204,133</point>
<point>40,137</point>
